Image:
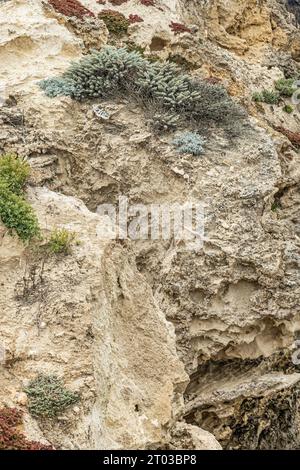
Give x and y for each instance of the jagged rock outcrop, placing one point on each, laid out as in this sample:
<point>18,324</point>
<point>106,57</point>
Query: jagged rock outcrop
<point>100,318</point>
<point>91,319</point>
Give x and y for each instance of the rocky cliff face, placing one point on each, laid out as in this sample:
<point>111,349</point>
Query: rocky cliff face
<point>294,7</point>
<point>167,346</point>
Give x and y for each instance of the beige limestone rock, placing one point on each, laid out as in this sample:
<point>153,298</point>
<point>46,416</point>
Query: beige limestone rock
<point>98,319</point>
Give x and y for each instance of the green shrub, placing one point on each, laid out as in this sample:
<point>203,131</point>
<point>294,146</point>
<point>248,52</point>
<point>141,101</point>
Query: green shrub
<point>267,96</point>
<point>48,397</point>
<point>160,85</point>
<point>17,215</point>
<point>61,241</point>
<point>96,75</point>
<point>189,142</point>
<point>285,87</point>
<point>13,172</point>
<point>288,109</point>
<point>115,21</point>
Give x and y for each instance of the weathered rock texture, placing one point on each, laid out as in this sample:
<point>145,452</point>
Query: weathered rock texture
<point>101,318</point>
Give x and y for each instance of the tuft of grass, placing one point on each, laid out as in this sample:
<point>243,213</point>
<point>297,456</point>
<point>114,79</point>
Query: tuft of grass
<point>61,241</point>
<point>48,397</point>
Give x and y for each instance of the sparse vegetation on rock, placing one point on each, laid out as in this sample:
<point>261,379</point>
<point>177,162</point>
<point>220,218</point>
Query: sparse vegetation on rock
<point>14,172</point>
<point>135,19</point>
<point>48,397</point>
<point>11,438</point>
<point>15,213</point>
<point>162,85</point>
<point>267,96</point>
<point>189,142</point>
<point>116,22</point>
<point>288,109</point>
<point>179,28</point>
<point>71,8</point>
<point>61,241</point>
<point>285,87</point>
<point>179,312</point>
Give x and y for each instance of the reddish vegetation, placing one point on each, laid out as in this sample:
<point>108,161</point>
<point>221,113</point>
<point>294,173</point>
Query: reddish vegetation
<point>71,8</point>
<point>294,137</point>
<point>148,3</point>
<point>135,19</point>
<point>117,2</point>
<point>10,437</point>
<point>101,2</point>
<point>178,28</point>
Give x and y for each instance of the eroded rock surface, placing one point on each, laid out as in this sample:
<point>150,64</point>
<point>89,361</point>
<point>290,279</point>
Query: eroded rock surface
<point>113,312</point>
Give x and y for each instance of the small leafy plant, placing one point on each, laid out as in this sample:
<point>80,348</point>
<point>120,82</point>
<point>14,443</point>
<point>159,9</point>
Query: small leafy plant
<point>48,397</point>
<point>267,96</point>
<point>15,213</point>
<point>288,109</point>
<point>61,241</point>
<point>285,87</point>
<point>116,22</point>
<point>14,172</point>
<point>189,142</point>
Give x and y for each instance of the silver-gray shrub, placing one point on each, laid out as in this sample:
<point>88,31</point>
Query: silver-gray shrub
<point>189,142</point>
<point>112,71</point>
